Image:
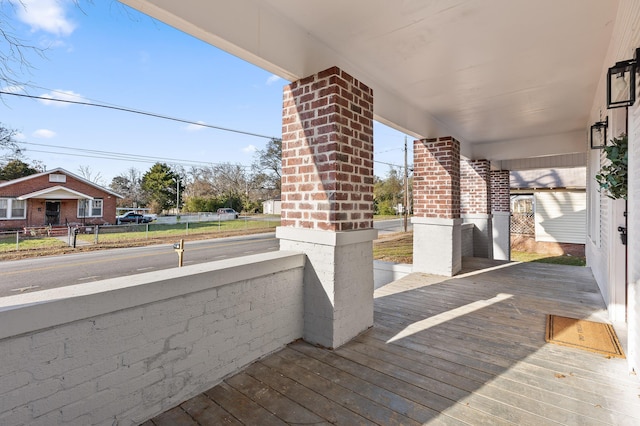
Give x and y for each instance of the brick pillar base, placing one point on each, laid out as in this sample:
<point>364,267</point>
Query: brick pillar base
<point>327,201</point>
<point>501,209</point>
<point>437,232</point>
<point>437,245</point>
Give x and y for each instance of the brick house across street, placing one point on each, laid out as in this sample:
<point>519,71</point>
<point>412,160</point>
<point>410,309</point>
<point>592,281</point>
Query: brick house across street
<point>55,198</point>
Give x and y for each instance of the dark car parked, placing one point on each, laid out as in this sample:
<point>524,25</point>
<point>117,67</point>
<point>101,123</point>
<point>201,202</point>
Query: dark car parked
<point>132,217</point>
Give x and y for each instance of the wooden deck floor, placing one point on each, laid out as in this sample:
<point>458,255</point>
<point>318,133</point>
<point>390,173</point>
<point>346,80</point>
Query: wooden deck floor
<point>464,350</point>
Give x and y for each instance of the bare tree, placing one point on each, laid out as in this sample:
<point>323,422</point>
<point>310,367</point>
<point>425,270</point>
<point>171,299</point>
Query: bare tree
<point>8,145</point>
<point>128,184</point>
<point>14,51</point>
<point>87,173</point>
<point>267,167</point>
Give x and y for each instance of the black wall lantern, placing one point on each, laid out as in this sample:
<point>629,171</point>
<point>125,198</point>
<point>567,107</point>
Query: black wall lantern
<point>599,134</point>
<point>621,83</point>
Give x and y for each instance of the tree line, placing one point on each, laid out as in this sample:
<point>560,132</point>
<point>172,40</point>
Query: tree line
<point>165,187</point>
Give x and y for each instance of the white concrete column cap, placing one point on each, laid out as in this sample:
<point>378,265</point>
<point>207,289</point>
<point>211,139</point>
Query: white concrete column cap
<point>435,221</point>
<point>476,216</point>
<point>327,238</point>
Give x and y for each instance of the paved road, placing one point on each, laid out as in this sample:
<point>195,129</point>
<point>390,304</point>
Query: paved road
<point>57,271</point>
<point>391,225</point>
<point>36,274</point>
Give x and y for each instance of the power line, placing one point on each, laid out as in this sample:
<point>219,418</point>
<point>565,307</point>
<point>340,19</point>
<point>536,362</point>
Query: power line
<point>133,157</point>
<point>114,155</point>
<point>134,111</point>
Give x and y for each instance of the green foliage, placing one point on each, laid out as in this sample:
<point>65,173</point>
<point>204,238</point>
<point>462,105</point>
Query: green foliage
<point>15,169</point>
<point>202,204</point>
<point>613,176</point>
<point>387,193</point>
<point>160,186</point>
<point>385,207</point>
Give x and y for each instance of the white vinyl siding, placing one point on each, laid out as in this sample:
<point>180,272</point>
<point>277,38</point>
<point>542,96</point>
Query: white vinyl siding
<point>561,216</point>
<point>10,208</point>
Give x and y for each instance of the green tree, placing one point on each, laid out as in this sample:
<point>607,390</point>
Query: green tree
<point>15,169</point>
<point>160,184</point>
<point>387,193</point>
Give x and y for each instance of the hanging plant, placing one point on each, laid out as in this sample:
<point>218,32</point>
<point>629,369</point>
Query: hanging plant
<point>613,176</point>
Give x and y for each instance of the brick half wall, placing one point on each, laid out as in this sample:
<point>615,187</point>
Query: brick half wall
<point>127,349</point>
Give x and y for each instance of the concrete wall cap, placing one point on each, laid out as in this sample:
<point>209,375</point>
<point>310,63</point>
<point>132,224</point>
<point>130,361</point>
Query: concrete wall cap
<point>43,309</point>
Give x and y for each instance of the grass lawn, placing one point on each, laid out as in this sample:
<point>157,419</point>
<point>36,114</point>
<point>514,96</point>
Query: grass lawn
<point>398,247</point>
<point>9,244</point>
<point>133,236</point>
<point>521,256</point>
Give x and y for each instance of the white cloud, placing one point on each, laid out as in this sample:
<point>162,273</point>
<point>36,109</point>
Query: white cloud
<point>45,15</point>
<point>194,127</point>
<point>44,134</point>
<point>272,79</point>
<point>20,137</point>
<point>65,95</point>
<point>249,149</point>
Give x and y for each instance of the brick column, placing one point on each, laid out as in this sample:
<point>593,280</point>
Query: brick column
<point>327,201</point>
<point>436,199</point>
<point>501,210</point>
<point>475,204</point>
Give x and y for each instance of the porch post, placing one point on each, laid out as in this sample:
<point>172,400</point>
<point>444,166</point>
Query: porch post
<point>327,201</point>
<point>475,204</point>
<point>436,206</point>
<point>501,210</point>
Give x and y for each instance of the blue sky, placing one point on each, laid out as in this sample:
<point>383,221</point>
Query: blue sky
<point>106,53</point>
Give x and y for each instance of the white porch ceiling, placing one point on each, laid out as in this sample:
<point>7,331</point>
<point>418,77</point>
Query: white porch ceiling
<point>508,78</point>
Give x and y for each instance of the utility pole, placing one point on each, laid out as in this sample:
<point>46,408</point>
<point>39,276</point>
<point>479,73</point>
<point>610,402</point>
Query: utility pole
<point>406,187</point>
<point>178,196</point>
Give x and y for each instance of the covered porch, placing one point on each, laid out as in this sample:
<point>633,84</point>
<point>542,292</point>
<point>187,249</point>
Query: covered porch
<point>484,88</point>
<point>462,350</point>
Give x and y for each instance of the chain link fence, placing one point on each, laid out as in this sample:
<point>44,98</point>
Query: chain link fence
<point>42,238</point>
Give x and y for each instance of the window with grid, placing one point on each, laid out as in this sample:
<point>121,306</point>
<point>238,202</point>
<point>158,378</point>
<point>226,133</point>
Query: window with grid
<point>90,208</point>
<point>10,208</point>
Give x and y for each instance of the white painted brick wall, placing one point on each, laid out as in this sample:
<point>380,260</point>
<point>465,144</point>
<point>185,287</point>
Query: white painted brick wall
<point>127,365</point>
<point>467,240</point>
<point>338,282</point>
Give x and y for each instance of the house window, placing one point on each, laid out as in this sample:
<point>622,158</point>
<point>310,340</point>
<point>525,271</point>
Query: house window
<point>96,208</point>
<point>90,208</point>
<point>10,208</point>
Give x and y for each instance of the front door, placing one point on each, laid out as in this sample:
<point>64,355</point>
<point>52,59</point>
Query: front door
<point>52,213</point>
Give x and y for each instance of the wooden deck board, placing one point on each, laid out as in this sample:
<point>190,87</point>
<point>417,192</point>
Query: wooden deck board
<point>206,412</point>
<point>463,350</point>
